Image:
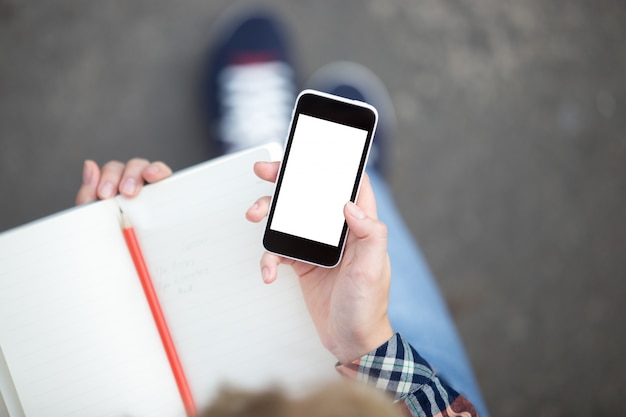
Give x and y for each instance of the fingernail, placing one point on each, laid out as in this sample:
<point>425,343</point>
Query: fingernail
<point>265,274</point>
<point>87,174</point>
<point>106,190</point>
<point>129,186</point>
<point>355,211</point>
<point>252,210</point>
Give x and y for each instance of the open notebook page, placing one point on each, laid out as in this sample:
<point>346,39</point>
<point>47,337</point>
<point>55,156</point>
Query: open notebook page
<point>203,256</point>
<point>76,333</point>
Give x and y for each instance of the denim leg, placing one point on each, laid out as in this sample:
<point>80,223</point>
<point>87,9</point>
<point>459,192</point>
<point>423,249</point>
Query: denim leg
<point>416,307</point>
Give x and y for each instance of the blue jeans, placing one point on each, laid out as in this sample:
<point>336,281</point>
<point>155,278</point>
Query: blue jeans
<point>416,307</point>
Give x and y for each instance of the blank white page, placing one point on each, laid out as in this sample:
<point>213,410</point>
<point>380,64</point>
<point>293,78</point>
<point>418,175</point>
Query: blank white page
<point>75,329</point>
<point>204,256</point>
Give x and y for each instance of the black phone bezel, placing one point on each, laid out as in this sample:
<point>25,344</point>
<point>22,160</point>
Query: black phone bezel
<point>338,110</point>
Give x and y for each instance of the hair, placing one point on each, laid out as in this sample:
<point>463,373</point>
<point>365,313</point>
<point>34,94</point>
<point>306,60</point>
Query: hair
<point>342,399</point>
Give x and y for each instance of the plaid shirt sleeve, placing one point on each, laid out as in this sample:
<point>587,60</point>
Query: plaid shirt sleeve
<point>397,368</point>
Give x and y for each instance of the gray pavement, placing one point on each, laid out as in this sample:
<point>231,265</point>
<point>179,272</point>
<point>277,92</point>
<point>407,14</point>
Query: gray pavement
<point>509,164</point>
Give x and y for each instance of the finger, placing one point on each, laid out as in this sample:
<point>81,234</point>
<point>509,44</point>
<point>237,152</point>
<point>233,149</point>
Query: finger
<point>367,199</point>
<point>364,227</point>
<point>156,171</point>
<point>88,189</point>
<point>269,267</point>
<point>267,170</point>
<point>110,179</point>
<point>132,178</point>
<point>259,210</point>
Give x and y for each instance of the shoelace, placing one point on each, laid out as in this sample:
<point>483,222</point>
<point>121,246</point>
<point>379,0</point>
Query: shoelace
<point>256,103</point>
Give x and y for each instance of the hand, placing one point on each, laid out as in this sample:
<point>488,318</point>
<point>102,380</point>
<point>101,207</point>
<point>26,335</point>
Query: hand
<point>348,303</point>
<point>127,179</point>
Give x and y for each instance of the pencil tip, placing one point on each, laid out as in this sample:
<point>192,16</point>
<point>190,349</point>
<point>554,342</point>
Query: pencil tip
<point>124,219</point>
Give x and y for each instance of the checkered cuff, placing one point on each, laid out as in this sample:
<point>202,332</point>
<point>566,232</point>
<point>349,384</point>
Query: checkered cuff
<point>398,369</point>
<point>394,367</point>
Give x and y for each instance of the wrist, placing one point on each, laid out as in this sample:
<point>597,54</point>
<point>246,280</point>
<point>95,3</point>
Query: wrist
<point>359,344</point>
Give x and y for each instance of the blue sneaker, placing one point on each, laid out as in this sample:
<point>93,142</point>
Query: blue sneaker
<point>251,83</point>
<point>356,82</point>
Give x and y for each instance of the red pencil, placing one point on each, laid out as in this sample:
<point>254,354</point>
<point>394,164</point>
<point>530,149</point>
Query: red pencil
<point>159,318</point>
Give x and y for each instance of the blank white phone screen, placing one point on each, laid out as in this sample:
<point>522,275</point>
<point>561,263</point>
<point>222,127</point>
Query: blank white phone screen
<point>318,179</point>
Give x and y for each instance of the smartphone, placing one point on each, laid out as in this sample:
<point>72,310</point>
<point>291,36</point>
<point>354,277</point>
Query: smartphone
<point>325,155</point>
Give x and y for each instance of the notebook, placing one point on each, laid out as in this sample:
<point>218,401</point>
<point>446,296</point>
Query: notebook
<point>77,337</point>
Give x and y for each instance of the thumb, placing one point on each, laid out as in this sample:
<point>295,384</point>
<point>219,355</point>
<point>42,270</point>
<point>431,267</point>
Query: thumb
<point>364,227</point>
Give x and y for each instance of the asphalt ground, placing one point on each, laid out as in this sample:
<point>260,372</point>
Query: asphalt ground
<point>509,163</point>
